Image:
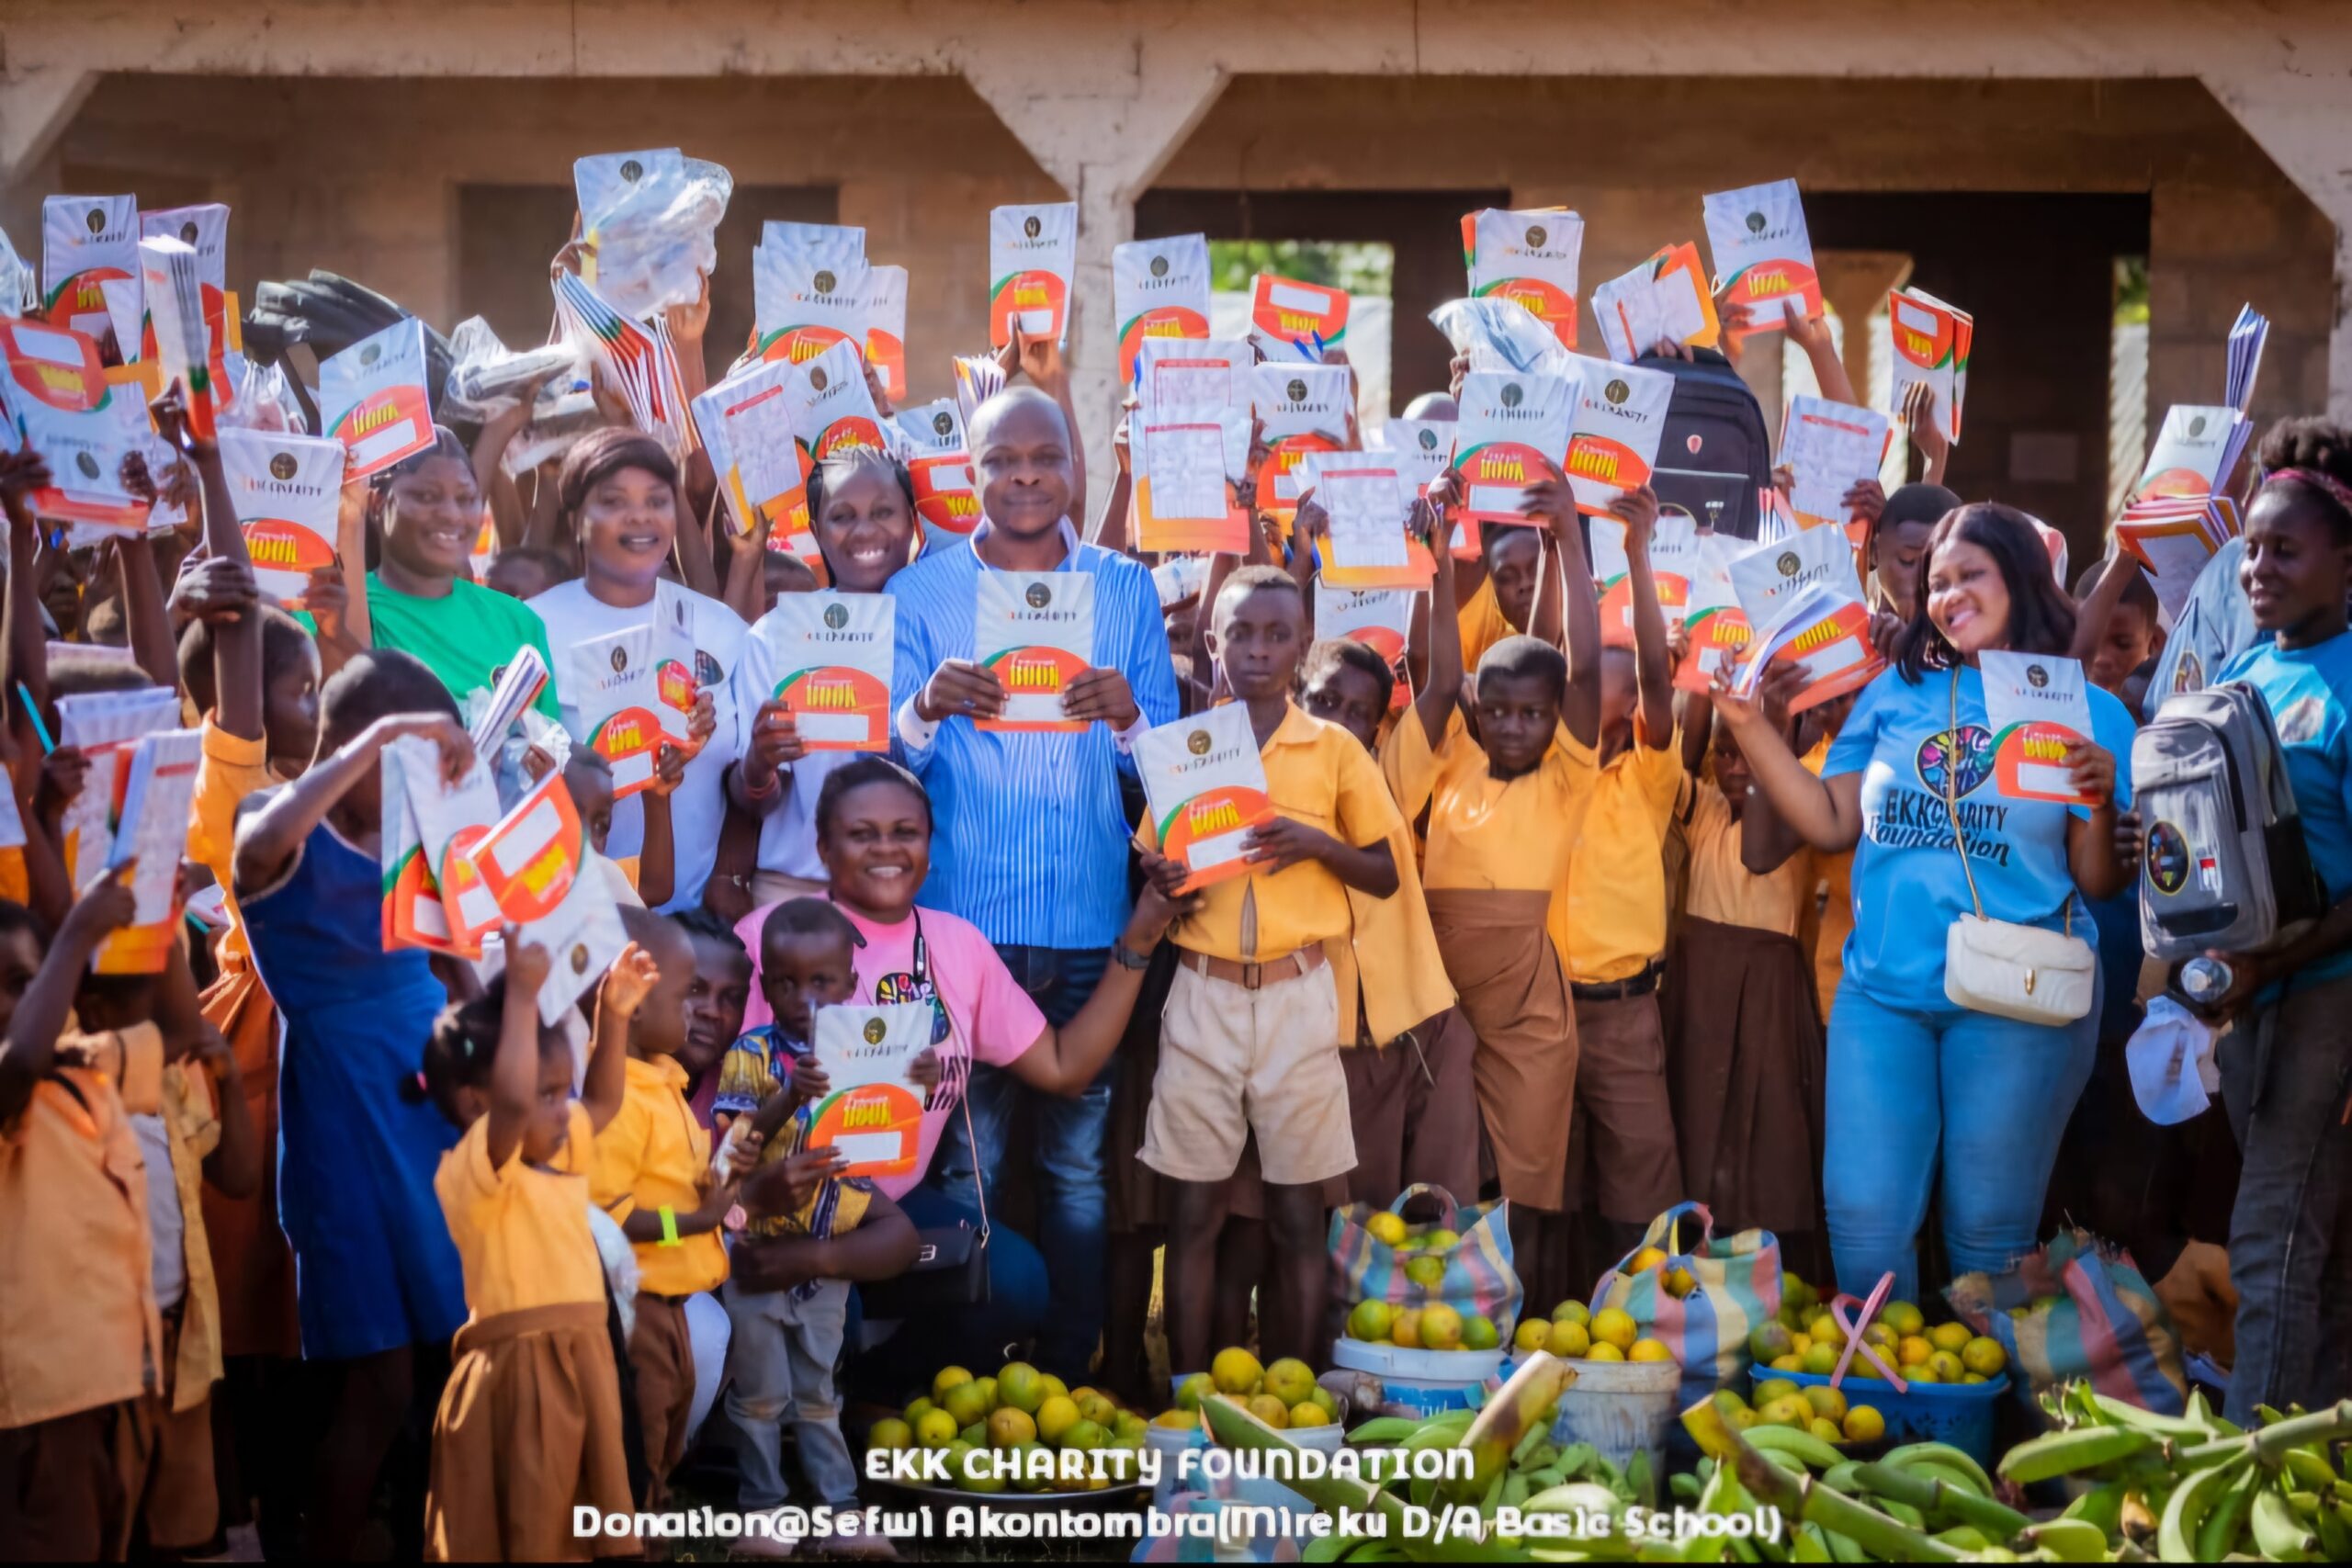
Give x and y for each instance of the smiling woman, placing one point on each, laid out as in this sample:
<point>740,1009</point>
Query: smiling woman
<point>425,512</point>
<point>618,500</point>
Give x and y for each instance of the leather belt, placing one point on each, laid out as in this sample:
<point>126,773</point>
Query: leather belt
<point>1252,976</point>
<point>1640,985</point>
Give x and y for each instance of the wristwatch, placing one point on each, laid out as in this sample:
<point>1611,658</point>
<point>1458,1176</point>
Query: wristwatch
<point>1127,958</point>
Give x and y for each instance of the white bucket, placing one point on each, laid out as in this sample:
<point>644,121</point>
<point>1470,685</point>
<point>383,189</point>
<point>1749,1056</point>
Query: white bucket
<point>1420,1383</point>
<point>1620,1408</point>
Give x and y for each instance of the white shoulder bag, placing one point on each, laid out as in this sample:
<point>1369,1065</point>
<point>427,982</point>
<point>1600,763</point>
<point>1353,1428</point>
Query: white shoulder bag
<point>2000,967</point>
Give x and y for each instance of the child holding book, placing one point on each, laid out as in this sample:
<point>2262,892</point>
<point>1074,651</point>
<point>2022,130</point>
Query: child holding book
<point>378,1281</point>
<point>653,1174</point>
<point>1248,1038</point>
<point>788,1342</point>
<point>530,1424</point>
<point>1504,808</point>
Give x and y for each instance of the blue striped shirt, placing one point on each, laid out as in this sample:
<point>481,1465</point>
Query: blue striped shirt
<point>1029,842</point>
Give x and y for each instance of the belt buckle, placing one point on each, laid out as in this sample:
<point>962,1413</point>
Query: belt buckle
<point>1252,974</point>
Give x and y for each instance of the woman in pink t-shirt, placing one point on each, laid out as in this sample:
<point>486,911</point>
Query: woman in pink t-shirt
<point>873,821</point>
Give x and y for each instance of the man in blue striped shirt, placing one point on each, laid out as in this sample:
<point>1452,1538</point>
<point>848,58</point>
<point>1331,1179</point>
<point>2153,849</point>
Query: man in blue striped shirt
<point>1032,838</point>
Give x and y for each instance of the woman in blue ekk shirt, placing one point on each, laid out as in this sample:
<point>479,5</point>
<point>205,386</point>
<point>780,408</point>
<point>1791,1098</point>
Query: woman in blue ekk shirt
<point>1927,1098</point>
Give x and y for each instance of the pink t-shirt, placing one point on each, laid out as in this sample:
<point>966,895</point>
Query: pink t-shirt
<point>988,1015</point>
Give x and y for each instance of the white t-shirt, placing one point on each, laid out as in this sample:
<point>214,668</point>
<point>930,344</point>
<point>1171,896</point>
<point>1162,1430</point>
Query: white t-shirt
<point>698,808</point>
<point>789,829</point>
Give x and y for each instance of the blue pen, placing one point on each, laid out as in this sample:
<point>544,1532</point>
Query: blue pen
<point>33,713</point>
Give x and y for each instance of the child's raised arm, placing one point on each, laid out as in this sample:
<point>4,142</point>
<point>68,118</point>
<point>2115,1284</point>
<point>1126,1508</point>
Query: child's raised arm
<point>268,837</point>
<point>1580,640</point>
<point>1653,669</point>
<point>1442,687</point>
<point>514,1076</point>
<point>24,651</point>
<point>236,641</point>
<point>29,1048</point>
<point>621,993</point>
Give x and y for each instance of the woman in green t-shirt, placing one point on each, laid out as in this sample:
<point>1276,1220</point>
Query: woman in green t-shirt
<point>423,513</point>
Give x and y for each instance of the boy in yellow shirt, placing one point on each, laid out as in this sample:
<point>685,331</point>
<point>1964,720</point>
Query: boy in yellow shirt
<point>1249,1039</point>
<point>653,1174</point>
<point>1614,935</point>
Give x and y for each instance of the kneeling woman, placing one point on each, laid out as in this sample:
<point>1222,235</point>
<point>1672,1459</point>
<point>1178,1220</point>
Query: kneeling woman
<point>873,826</point>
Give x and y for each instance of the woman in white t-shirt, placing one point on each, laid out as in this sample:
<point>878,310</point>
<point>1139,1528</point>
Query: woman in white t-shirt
<point>618,499</point>
<point>862,507</point>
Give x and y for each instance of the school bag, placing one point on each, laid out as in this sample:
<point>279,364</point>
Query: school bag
<point>2222,861</point>
<point>1714,425</point>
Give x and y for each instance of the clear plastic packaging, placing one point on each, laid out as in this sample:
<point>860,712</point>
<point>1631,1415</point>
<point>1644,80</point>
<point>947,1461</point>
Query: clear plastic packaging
<point>259,399</point>
<point>648,219</point>
<point>554,428</point>
<point>1501,334</point>
<point>486,376</point>
<point>20,293</point>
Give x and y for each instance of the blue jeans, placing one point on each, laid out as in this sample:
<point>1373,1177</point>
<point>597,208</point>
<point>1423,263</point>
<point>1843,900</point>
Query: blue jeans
<point>1989,1094</point>
<point>978,1339</point>
<point>1073,1206</point>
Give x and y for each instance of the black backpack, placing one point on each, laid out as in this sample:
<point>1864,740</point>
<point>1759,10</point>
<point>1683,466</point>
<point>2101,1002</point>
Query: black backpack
<point>1713,427</point>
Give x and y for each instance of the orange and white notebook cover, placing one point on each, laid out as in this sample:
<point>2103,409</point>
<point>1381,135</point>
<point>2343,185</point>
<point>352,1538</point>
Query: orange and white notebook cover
<point>1528,255</point>
<point>1204,784</point>
<point>286,489</point>
<point>871,1113</point>
<point>831,654</point>
<point>1034,632</point>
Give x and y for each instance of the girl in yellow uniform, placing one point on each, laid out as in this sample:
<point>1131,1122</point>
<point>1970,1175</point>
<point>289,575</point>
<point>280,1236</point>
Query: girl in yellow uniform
<point>1743,1041</point>
<point>530,1423</point>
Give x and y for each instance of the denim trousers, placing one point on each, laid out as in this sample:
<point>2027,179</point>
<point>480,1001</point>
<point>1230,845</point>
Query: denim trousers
<point>1941,1101</point>
<point>782,1356</point>
<point>1073,1205</point>
<point>2286,1082</point>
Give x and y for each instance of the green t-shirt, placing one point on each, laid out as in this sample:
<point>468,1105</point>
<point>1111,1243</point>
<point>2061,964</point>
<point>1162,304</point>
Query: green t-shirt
<point>467,637</point>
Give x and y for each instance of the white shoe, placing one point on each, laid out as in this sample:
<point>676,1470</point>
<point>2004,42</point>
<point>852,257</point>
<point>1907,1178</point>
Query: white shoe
<point>770,1543</point>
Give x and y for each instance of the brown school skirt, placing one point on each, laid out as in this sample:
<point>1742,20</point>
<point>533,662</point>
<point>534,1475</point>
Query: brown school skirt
<point>1745,1062</point>
<point>1515,995</point>
<point>251,1262</point>
<point>529,1426</point>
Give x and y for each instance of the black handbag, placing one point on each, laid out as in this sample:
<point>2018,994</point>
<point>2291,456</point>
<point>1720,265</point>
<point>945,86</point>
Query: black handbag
<point>951,1265</point>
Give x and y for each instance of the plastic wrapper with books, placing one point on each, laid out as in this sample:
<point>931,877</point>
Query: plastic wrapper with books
<point>648,225</point>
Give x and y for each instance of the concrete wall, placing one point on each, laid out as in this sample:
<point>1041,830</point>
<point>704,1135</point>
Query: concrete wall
<point>1106,99</point>
<point>361,176</point>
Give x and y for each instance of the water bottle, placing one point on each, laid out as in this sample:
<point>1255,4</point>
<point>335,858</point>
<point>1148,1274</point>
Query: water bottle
<point>2202,979</point>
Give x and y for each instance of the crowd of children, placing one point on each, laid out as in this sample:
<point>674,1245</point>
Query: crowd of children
<point>1528,919</point>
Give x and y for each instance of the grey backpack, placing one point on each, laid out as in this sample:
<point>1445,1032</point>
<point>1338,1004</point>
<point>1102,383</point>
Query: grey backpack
<point>2222,862</point>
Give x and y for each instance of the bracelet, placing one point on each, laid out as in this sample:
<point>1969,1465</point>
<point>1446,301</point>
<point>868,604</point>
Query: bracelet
<point>775,782</point>
<point>669,1227</point>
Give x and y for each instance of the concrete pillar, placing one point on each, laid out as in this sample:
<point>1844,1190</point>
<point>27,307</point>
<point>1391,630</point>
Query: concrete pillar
<point>1854,284</point>
<point>35,105</point>
<point>2298,105</point>
<point>1103,145</point>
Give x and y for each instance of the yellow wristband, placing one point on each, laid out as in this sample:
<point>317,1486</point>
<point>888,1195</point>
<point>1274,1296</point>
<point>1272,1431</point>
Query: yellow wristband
<point>668,1226</point>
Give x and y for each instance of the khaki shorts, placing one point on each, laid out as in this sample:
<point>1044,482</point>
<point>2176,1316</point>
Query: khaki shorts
<point>1232,1060</point>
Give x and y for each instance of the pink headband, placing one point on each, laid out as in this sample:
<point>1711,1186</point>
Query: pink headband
<point>2327,484</point>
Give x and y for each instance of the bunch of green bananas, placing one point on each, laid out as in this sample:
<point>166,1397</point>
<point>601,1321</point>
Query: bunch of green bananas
<point>2194,1488</point>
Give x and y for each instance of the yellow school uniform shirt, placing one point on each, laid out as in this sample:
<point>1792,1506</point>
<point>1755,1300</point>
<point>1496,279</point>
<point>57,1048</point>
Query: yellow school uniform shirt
<point>1390,963</point>
<point>1321,775</point>
<point>521,1230</point>
<point>1722,887</point>
<point>192,1130</point>
<point>228,770</point>
<point>15,880</point>
<point>1482,624</point>
<point>1490,834</point>
<point>1617,881</point>
<point>78,1325</point>
<point>653,1155</point>
<point>1835,921</point>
